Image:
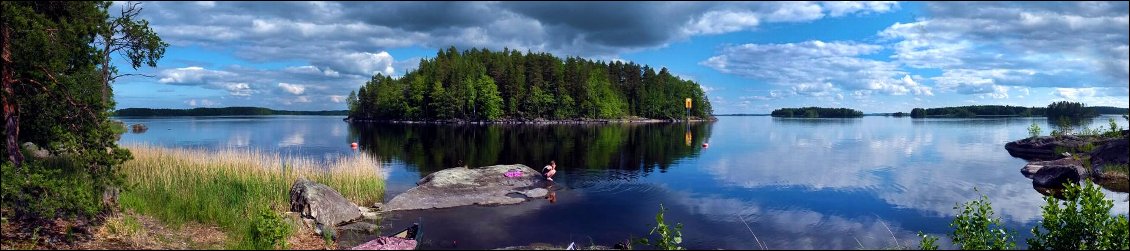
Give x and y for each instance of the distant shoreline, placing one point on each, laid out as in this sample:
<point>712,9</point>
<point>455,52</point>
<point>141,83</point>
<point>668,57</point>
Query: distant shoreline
<point>223,111</point>
<point>521,122</point>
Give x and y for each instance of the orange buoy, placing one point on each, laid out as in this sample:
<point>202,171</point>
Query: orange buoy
<point>354,145</point>
<point>705,145</point>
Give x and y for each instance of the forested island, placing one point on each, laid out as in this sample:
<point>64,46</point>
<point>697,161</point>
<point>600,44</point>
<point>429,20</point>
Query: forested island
<point>1053,110</point>
<point>224,111</point>
<point>816,112</point>
<point>508,85</point>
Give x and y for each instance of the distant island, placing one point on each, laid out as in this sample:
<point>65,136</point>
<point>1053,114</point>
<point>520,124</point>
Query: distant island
<point>225,111</point>
<point>1053,110</point>
<point>741,114</point>
<point>816,112</point>
<point>508,85</point>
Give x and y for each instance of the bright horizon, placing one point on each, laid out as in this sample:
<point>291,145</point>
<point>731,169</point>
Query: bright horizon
<point>750,58</point>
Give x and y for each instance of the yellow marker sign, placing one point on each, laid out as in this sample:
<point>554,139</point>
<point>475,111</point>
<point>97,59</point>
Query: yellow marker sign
<point>688,103</point>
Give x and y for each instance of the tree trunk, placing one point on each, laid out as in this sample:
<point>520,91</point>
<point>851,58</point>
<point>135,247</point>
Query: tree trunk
<point>106,70</point>
<point>11,107</point>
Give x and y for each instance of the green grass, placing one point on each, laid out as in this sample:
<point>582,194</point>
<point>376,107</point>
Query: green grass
<point>227,187</point>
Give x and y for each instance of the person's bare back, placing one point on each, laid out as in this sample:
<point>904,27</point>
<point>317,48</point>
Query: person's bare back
<point>552,167</point>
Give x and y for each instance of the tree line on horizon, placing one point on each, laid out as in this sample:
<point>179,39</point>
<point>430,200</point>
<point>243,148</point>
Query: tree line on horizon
<point>222,111</point>
<point>1060,109</point>
<point>484,85</point>
<point>816,112</point>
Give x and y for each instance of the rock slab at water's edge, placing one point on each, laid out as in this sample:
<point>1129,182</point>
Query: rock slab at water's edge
<point>325,205</point>
<point>1055,172</point>
<point>1043,147</point>
<point>1111,152</point>
<point>462,186</point>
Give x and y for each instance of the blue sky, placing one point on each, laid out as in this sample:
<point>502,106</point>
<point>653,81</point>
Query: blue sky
<point>750,57</point>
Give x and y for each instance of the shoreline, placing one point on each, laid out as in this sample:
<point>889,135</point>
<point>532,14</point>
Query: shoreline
<point>528,122</point>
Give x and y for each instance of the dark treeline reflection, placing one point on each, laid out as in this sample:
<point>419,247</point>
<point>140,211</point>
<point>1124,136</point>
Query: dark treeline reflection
<point>428,147</point>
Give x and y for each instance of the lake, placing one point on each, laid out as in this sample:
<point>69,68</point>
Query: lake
<point>793,183</point>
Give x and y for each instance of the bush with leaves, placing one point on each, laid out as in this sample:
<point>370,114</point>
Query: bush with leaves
<point>1033,130</point>
<point>669,238</point>
<point>1080,222</point>
<point>269,230</point>
<point>975,227</point>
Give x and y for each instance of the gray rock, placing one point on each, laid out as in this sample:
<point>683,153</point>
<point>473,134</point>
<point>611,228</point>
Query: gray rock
<point>463,186</point>
<point>1111,152</point>
<point>1043,147</point>
<point>355,233</point>
<point>1052,174</point>
<point>36,151</point>
<point>320,202</point>
<point>535,193</point>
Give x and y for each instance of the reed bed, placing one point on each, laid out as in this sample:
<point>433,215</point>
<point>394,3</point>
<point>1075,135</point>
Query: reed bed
<point>227,187</point>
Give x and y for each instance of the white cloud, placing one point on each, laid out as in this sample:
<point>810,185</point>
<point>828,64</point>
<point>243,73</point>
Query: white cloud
<point>201,103</point>
<point>238,89</point>
<point>1056,44</point>
<point>1075,94</point>
<point>717,22</point>
<point>817,68</point>
<point>295,89</point>
<point>191,75</point>
<point>337,98</point>
<point>841,8</point>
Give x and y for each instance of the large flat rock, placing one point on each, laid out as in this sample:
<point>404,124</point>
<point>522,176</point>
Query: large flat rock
<point>463,186</point>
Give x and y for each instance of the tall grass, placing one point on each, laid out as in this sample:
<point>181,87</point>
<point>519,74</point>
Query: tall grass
<point>228,187</point>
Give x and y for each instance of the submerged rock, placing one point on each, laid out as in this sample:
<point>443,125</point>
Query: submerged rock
<point>463,186</point>
<point>320,202</point>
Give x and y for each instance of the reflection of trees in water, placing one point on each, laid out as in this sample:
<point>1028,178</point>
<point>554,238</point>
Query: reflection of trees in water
<point>429,148</point>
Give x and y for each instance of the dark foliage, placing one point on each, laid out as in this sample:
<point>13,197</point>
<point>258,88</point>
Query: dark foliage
<point>481,85</point>
<point>225,111</point>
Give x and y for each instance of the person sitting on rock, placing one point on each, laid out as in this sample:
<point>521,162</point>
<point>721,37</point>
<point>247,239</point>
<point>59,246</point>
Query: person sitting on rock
<point>552,167</point>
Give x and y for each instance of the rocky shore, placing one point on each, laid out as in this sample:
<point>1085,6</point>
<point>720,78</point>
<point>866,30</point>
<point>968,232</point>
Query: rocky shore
<point>1052,161</point>
<point>462,186</point>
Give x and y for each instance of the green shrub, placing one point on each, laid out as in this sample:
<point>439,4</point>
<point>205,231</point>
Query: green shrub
<point>1033,130</point>
<point>669,239</point>
<point>269,230</point>
<point>1080,222</point>
<point>49,188</point>
<point>928,242</point>
<point>1114,130</point>
<point>975,228</point>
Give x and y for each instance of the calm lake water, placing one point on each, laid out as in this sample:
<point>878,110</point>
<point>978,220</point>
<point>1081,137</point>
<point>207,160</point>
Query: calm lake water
<point>794,183</point>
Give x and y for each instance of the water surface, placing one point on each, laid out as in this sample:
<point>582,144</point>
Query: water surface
<point>794,183</point>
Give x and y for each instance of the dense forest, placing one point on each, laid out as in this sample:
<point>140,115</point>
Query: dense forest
<point>225,111</point>
<point>1057,109</point>
<point>481,85</point>
<point>816,112</point>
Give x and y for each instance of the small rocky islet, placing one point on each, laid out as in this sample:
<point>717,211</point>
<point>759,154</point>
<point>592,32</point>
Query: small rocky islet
<point>1054,160</point>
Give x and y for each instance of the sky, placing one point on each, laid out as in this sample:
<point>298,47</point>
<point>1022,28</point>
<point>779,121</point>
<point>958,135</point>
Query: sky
<point>749,57</point>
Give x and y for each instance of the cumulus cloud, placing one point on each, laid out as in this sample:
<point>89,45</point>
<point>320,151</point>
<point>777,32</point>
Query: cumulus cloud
<point>1075,94</point>
<point>1061,44</point>
<point>278,31</point>
<point>201,102</point>
<point>292,88</point>
<point>282,86</point>
<point>817,68</point>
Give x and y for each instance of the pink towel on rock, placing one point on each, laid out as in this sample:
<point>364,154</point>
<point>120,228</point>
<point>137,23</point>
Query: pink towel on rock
<point>387,243</point>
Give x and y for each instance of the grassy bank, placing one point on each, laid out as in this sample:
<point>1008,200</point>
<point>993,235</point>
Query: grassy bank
<point>228,187</point>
